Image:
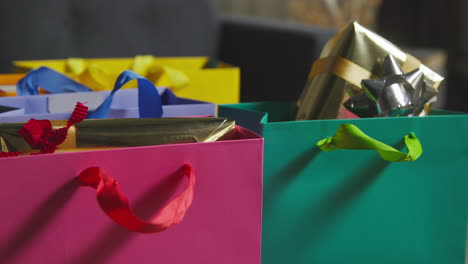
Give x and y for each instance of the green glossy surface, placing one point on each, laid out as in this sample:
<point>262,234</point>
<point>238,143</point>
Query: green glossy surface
<point>350,206</point>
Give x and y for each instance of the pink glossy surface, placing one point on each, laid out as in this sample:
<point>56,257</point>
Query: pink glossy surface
<point>48,218</point>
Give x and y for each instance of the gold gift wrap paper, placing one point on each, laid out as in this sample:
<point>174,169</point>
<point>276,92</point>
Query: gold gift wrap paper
<point>353,54</point>
<point>109,133</point>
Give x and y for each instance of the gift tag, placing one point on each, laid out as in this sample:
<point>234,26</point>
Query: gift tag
<point>65,103</point>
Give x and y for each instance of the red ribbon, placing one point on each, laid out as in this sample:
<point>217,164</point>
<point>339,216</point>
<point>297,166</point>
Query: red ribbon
<point>39,134</point>
<point>115,204</point>
<point>111,199</point>
<point>9,154</point>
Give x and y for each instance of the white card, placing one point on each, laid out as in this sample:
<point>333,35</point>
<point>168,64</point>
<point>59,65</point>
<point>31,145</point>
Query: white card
<point>65,103</point>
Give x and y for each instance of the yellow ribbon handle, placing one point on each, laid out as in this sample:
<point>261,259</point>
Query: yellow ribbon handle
<point>89,74</point>
<point>98,78</point>
<point>349,136</point>
<point>141,64</point>
<point>160,75</point>
<point>75,66</point>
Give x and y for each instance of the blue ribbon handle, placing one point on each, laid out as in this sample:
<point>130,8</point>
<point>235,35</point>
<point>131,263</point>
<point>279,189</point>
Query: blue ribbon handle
<point>49,80</point>
<point>149,100</point>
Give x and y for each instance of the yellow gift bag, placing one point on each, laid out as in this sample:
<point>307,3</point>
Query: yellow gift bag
<point>189,77</point>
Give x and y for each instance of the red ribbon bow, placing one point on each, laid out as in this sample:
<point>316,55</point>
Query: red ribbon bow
<point>40,134</point>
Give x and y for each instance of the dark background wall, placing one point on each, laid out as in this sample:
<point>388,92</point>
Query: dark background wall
<point>434,24</point>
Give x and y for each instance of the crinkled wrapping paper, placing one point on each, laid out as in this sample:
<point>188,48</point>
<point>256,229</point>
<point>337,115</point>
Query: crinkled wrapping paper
<point>353,54</point>
<point>111,133</point>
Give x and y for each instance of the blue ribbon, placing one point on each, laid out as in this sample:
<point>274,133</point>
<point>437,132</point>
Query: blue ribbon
<point>149,100</point>
<point>49,80</point>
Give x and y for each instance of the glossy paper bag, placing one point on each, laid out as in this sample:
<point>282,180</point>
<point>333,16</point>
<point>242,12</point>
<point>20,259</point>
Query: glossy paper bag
<point>346,206</point>
<point>146,101</point>
<point>189,77</point>
<point>50,218</point>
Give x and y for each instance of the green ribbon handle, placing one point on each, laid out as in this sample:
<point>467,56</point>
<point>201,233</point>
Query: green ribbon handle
<point>349,136</point>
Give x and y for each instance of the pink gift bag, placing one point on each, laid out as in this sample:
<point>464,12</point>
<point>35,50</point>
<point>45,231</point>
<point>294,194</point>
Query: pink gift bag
<point>177,203</point>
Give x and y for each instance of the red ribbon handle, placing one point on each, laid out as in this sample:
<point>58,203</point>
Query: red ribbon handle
<point>116,205</point>
<point>40,134</point>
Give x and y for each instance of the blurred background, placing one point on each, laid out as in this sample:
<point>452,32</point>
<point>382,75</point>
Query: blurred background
<point>274,42</point>
<point>435,31</point>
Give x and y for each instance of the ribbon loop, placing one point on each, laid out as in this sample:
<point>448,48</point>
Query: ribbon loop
<point>149,100</point>
<point>115,204</point>
<point>349,136</point>
<point>40,134</point>
<point>49,80</point>
<point>100,77</point>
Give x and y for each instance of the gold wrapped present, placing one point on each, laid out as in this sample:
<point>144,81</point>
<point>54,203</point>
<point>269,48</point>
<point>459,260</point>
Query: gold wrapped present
<point>352,55</point>
<point>113,133</point>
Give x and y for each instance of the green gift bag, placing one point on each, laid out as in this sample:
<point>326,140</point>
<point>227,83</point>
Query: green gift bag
<point>367,191</point>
